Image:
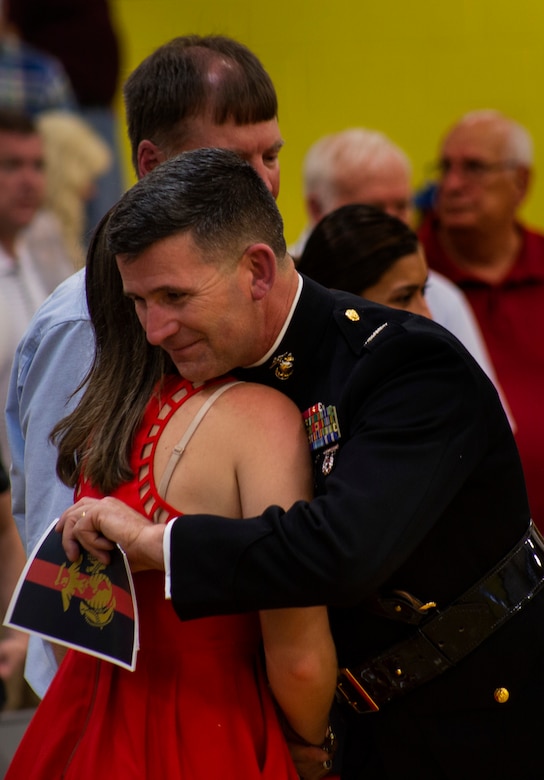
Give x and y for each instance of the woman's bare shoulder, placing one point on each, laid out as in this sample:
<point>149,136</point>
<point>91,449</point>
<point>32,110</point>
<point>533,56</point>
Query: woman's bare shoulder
<point>254,400</point>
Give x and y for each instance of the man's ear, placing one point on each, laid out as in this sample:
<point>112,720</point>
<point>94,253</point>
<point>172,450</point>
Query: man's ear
<point>149,156</point>
<point>314,209</point>
<point>261,263</point>
<point>523,181</point>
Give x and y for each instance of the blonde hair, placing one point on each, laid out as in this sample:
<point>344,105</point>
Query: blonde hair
<point>75,157</point>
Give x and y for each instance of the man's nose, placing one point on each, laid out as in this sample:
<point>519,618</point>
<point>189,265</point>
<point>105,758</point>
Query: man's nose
<point>266,174</point>
<point>452,177</point>
<point>33,178</point>
<point>159,325</point>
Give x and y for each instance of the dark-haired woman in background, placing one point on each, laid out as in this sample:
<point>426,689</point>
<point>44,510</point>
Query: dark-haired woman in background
<point>363,250</point>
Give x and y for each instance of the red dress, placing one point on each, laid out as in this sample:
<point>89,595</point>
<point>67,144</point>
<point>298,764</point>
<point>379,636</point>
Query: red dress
<point>197,706</point>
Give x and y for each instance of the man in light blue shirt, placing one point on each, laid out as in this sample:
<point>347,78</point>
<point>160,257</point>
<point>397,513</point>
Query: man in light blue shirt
<point>57,350</point>
<point>51,361</point>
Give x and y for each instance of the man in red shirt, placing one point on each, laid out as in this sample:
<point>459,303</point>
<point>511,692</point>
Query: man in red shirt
<point>475,238</point>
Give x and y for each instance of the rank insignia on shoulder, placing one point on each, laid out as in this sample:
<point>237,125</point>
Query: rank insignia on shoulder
<point>321,425</point>
<point>283,365</point>
<point>375,333</point>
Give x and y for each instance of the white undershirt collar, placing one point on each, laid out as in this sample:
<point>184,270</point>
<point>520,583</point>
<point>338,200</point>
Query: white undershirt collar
<point>286,324</point>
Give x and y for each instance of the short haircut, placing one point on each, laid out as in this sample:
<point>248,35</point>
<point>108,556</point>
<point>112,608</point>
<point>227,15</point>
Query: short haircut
<point>13,121</point>
<point>194,76</point>
<point>351,248</point>
<point>211,193</point>
<point>518,145</point>
<point>334,158</point>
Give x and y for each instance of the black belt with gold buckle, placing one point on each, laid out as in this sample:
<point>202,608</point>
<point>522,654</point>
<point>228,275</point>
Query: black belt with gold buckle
<point>444,639</point>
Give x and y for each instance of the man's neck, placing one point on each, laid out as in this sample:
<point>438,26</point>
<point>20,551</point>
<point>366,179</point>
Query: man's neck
<point>286,291</point>
<point>8,242</point>
<point>488,256</point>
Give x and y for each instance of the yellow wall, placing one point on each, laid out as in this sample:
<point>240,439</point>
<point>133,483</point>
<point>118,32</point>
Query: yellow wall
<point>407,69</point>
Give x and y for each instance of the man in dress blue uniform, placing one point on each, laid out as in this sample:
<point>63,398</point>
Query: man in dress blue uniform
<point>419,537</point>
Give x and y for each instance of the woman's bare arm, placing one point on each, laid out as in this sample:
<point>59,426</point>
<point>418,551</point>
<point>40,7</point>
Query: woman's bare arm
<point>299,650</point>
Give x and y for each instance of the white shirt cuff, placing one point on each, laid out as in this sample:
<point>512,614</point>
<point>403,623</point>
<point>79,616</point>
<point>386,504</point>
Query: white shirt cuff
<point>166,554</point>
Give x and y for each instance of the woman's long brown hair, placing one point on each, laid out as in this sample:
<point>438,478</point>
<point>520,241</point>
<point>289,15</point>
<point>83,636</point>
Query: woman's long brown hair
<point>98,434</point>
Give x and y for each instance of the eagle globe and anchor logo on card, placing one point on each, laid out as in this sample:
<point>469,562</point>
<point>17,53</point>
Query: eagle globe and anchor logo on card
<point>85,605</point>
<point>323,431</point>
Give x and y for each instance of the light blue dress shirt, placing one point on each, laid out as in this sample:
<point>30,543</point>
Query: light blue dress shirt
<point>51,360</point>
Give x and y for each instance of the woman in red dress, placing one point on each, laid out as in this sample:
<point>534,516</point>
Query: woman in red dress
<point>202,702</point>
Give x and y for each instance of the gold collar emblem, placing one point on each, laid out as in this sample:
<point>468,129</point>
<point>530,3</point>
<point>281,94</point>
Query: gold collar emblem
<point>283,365</point>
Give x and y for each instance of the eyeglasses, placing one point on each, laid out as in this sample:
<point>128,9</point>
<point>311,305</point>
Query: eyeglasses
<point>471,170</point>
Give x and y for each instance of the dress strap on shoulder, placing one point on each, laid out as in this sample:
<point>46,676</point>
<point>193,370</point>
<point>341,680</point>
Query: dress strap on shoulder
<point>178,450</point>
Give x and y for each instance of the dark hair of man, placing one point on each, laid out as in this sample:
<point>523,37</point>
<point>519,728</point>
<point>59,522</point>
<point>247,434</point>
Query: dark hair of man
<point>225,206</point>
<point>194,76</point>
<point>351,248</point>
<point>212,193</point>
<point>12,121</point>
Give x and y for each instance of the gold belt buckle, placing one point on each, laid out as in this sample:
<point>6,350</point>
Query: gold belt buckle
<point>347,681</point>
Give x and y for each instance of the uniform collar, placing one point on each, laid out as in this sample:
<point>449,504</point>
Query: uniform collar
<point>295,355</point>
<point>286,324</point>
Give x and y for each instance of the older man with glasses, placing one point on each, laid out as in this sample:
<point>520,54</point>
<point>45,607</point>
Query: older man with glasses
<point>475,238</point>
